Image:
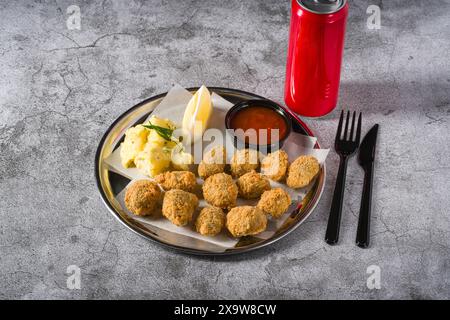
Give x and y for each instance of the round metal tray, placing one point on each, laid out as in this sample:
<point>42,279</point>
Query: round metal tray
<point>110,183</point>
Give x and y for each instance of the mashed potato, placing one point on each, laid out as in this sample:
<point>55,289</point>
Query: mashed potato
<point>135,140</point>
<point>150,152</point>
<point>153,160</point>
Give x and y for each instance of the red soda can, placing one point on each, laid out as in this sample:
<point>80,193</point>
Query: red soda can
<point>316,43</point>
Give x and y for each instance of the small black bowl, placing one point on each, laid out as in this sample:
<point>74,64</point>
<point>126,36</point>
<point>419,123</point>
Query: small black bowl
<point>266,148</point>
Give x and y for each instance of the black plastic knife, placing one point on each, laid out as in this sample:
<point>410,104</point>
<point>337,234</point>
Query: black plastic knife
<point>366,159</point>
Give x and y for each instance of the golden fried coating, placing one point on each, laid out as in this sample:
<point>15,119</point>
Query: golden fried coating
<point>274,202</point>
<point>214,161</point>
<point>220,190</point>
<point>243,161</point>
<point>184,180</point>
<point>179,206</point>
<point>142,197</point>
<point>274,166</point>
<point>302,171</point>
<point>252,184</point>
<point>245,221</point>
<point>206,170</point>
<point>210,221</point>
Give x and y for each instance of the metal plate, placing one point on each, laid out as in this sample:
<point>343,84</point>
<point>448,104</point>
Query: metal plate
<point>110,183</point>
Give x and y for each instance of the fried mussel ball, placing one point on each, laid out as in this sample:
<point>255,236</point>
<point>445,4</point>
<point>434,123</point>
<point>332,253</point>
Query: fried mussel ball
<point>220,191</point>
<point>244,161</point>
<point>302,171</point>
<point>179,206</point>
<point>274,166</point>
<point>142,197</point>
<point>246,220</point>
<point>274,202</point>
<point>183,180</point>
<point>214,161</point>
<point>210,221</point>
<point>252,184</point>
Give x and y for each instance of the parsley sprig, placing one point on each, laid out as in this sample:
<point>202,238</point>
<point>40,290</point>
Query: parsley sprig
<point>165,133</point>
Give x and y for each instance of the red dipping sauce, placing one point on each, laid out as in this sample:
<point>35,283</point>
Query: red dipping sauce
<point>257,118</point>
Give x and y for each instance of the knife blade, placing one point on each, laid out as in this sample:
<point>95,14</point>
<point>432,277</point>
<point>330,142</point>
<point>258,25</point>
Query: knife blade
<point>366,159</point>
<point>366,153</point>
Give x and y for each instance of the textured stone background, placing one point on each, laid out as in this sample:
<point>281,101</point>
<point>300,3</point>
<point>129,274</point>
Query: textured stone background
<point>60,89</point>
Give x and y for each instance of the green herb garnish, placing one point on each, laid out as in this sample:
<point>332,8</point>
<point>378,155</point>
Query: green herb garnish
<point>165,133</point>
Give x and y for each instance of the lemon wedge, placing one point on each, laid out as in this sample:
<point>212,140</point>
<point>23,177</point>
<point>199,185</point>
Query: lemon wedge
<point>197,114</point>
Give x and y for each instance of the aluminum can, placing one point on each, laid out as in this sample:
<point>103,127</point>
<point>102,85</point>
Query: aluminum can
<point>313,68</point>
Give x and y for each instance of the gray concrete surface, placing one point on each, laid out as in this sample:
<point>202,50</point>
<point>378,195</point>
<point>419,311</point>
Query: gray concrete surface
<point>60,89</point>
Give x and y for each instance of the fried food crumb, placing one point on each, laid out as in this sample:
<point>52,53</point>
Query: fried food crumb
<point>220,190</point>
<point>210,221</point>
<point>142,197</point>
<point>274,202</point>
<point>245,221</point>
<point>252,184</point>
<point>179,206</point>
<point>302,171</point>
<point>184,180</point>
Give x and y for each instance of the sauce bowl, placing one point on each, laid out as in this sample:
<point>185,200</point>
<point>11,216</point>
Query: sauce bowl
<point>250,114</point>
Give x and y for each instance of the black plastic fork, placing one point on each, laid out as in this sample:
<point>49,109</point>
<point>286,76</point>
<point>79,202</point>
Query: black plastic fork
<point>345,147</point>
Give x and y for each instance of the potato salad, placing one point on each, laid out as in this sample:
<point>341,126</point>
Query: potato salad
<point>152,148</point>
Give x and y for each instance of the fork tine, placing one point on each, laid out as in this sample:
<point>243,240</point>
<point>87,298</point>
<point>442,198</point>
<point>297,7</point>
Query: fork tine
<point>339,129</point>
<point>358,130</point>
<point>346,125</point>
<point>350,138</point>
